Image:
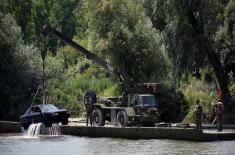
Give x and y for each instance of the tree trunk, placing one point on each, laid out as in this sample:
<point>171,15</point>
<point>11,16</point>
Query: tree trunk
<point>220,74</point>
<point>205,46</point>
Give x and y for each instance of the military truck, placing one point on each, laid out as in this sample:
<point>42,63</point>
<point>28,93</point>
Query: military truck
<point>136,107</point>
<point>130,110</point>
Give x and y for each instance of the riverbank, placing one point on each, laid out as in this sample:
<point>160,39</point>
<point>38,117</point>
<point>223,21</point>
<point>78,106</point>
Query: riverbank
<point>9,127</point>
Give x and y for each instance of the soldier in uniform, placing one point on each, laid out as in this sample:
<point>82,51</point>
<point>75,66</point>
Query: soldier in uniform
<point>89,110</point>
<point>89,100</point>
<point>219,109</point>
<point>198,113</point>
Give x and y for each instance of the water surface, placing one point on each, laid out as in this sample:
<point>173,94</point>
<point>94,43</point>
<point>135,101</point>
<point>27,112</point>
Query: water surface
<point>18,144</point>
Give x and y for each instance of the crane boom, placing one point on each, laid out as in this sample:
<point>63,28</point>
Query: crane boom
<point>89,55</point>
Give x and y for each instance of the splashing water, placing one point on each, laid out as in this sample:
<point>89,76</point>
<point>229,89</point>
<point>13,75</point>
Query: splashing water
<point>40,129</point>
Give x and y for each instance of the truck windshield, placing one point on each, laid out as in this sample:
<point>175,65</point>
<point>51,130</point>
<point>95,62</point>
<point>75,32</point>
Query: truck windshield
<point>147,101</point>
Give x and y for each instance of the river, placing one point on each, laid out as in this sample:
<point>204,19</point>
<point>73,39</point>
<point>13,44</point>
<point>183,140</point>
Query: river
<point>18,144</point>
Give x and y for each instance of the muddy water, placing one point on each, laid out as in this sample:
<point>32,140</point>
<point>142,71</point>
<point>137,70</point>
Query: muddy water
<point>17,144</point>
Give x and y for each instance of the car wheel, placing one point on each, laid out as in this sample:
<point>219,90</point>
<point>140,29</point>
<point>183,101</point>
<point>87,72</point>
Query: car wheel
<point>121,119</point>
<point>65,122</point>
<point>97,118</point>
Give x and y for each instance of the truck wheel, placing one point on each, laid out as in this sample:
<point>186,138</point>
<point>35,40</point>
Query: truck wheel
<point>97,118</point>
<point>121,119</point>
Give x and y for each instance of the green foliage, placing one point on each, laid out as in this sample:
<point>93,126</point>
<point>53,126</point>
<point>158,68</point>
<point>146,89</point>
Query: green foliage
<point>119,31</point>
<point>181,38</point>
<point>32,15</point>
<point>232,89</point>
<point>199,89</point>
<point>21,10</point>
<point>225,37</point>
<point>191,95</point>
<point>66,86</point>
<point>16,68</point>
<point>3,6</point>
<point>62,16</point>
<point>232,85</point>
<point>111,90</point>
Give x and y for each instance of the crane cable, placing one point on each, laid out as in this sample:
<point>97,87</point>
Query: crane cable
<point>39,87</point>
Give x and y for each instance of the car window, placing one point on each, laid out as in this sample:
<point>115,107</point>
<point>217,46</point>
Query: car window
<point>34,110</point>
<point>52,106</point>
<point>28,111</point>
<point>49,107</point>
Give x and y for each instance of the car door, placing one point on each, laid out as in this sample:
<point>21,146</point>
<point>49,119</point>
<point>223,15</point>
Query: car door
<point>25,119</point>
<point>35,115</point>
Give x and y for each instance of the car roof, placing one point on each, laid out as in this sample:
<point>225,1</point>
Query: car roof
<point>145,95</point>
<point>41,105</point>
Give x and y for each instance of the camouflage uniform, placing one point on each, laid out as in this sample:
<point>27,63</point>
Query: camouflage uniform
<point>89,110</point>
<point>89,100</point>
<point>219,109</point>
<point>198,113</point>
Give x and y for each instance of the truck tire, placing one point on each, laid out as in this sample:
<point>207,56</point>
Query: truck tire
<point>121,119</point>
<point>97,118</point>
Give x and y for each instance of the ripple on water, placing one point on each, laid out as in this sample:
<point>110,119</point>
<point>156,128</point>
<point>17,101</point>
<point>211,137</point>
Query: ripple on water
<point>12,144</point>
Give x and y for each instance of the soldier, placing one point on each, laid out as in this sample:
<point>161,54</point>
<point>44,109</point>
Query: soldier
<point>219,109</point>
<point>89,110</point>
<point>89,100</point>
<point>198,113</point>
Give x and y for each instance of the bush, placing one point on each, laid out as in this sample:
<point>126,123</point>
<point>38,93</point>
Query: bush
<point>198,89</point>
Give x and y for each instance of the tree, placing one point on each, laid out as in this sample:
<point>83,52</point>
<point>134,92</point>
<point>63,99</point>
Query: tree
<point>120,32</point>
<point>21,10</point>
<point>32,15</point>
<point>16,69</point>
<point>62,16</point>
<point>225,43</point>
<point>194,23</point>
<point>3,6</point>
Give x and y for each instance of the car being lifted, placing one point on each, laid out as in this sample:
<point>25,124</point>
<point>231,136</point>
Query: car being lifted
<point>47,114</point>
